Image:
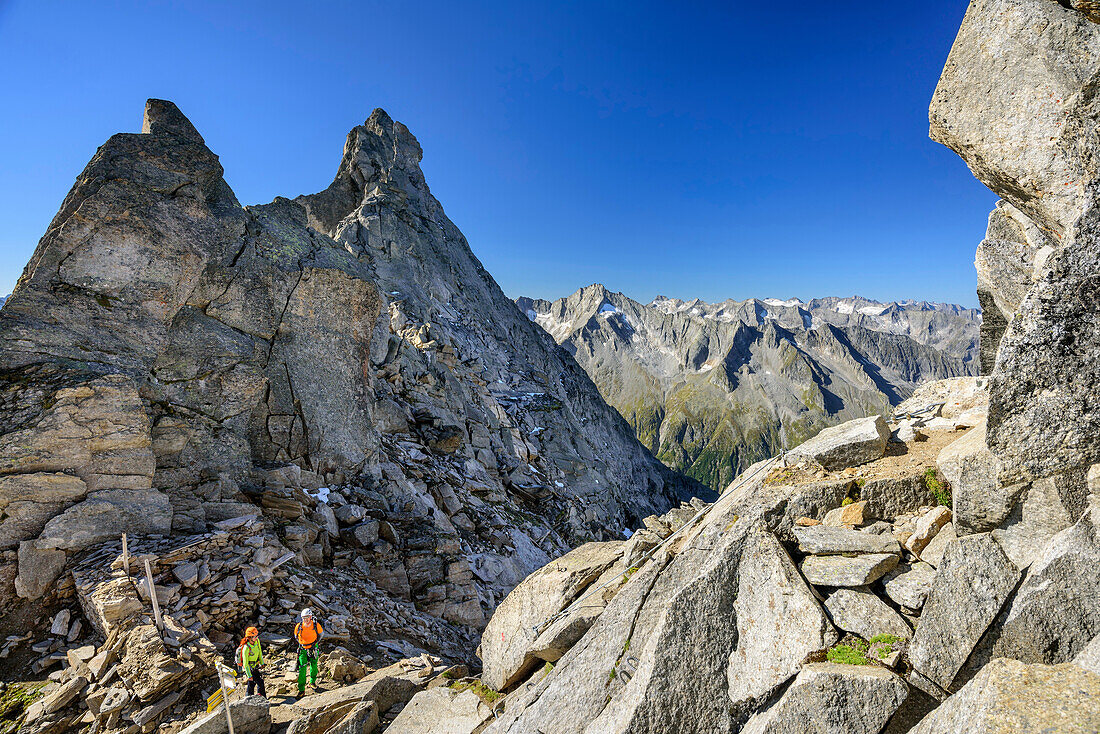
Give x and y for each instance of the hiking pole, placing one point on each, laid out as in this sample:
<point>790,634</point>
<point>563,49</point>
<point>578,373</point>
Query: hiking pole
<point>153,598</point>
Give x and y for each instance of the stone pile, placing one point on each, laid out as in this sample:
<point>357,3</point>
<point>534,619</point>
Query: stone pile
<point>130,673</point>
<point>123,672</point>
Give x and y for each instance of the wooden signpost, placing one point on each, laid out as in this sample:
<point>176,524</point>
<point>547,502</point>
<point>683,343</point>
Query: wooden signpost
<point>220,694</point>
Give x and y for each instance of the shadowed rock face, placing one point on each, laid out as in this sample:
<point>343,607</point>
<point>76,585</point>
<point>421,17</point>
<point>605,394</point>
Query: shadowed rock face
<point>166,349</point>
<point>1035,144</point>
<point>711,388</point>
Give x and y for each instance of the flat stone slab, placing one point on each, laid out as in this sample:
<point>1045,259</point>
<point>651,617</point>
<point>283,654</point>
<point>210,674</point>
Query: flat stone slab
<point>827,697</point>
<point>441,711</point>
<point>1010,696</point>
<point>847,570</point>
<point>973,583</point>
<point>825,540</point>
<point>909,585</point>
<point>849,444</point>
<point>862,613</point>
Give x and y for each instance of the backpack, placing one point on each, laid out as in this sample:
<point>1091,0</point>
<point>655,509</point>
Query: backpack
<point>238,657</point>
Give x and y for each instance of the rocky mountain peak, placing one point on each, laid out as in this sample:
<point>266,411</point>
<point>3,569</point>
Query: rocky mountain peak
<point>710,388</point>
<point>164,118</point>
<point>335,378</point>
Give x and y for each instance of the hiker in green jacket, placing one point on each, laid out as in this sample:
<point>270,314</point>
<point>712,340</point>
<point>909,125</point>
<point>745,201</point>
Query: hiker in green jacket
<point>250,658</point>
<point>308,634</point>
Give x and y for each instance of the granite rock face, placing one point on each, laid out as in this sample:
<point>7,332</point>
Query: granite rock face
<point>1031,145</point>
<point>691,643</point>
<point>1035,145</point>
<point>1012,696</point>
<point>973,582</point>
<point>508,644</point>
<point>827,698</point>
<point>1008,261</point>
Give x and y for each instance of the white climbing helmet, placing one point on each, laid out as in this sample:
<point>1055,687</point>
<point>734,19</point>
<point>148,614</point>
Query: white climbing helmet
<point>307,613</point>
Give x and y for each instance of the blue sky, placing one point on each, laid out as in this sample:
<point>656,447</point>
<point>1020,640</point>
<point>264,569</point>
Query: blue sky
<point>712,150</point>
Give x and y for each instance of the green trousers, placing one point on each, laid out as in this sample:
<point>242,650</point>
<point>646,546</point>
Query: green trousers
<point>305,659</point>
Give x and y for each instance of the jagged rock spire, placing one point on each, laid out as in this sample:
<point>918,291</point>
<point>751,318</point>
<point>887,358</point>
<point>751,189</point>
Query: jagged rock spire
<point>164,118</point>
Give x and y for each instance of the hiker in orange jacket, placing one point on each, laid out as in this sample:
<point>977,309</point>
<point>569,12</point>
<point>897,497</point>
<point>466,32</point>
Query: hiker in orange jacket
<point>308,633</point>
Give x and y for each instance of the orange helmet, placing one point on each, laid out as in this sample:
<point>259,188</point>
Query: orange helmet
<point>251,632</point>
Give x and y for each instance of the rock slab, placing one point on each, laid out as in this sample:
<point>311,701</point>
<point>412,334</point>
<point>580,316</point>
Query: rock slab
<point>827,698</point>
<point>847,571</point>
<point>862,613</point>
<point>1010,696</point>
<point>849,444</point>
<point>970,588</point>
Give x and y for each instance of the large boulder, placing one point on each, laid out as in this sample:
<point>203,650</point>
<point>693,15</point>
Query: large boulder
<point>38,567</point>
<point>29,501</point>
<point>979,501</point>
<point>863,613</point>
<point>1027,142</point>
<point>1010,696</point>
<point>1034,144</point>
<point>849,444</point>
<point>827,698</point>
<point>688,645</point>
<point>106,515</point>
<point>441,710</point>
<point>888,497</point>
<point>779,622</point>
<point>251,715</point>
<point>1056,611</point>
<point>971,585</point>
<point>508,643</point>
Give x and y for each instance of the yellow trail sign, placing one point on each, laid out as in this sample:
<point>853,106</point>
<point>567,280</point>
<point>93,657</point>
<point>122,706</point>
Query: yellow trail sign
<point>215,700</point>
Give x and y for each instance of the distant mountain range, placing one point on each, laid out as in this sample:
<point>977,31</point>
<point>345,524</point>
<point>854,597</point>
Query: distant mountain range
<point>711,388</point>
